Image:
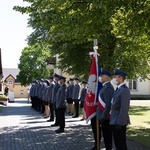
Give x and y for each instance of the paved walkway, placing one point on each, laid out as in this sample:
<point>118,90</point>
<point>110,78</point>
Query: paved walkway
<point>22,128</point>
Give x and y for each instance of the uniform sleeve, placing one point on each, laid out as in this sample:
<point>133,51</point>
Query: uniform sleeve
<point>125,103</point>
<point>62,97</point>
<point>107,97</point>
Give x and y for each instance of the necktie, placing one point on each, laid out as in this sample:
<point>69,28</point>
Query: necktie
<point>116,89</point>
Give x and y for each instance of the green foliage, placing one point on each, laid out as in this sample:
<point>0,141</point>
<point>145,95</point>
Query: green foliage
<point>2,96</point>
<point>32,63</point>
<point>121,27</point>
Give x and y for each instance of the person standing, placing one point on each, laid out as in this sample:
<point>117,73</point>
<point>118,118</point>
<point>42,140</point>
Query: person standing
<point>37,100</point>
<point>54,92</point>
<point>45,98</point>
<point>49,95</point>
<point>119,110</point>
<point>28,91</point>
<point>82,97</point>
<point>69,96</point>
<point>103,115</point>
<point>6,90</point>
<point>61,104</point>
<point>76,97</point>
<point>40,96</point>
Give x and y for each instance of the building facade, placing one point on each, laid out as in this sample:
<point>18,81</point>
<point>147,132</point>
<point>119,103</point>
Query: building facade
<point>10,79</point>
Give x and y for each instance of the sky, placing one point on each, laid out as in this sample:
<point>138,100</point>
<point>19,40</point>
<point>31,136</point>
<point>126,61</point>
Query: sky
<point>13,32</point>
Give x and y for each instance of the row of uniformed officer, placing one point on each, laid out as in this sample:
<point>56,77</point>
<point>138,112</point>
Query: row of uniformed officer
<point>118,104</point>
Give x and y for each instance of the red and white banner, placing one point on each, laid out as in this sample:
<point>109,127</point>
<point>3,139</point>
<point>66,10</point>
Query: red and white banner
<point>91,95</point>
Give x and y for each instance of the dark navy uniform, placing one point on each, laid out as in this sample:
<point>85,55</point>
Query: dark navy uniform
<point>103,113</point>
<point>119,113</point>
<point>83,94</point>
<point>75,97</point>
<point>70,94</point>
<point>49,96</point>
<point>61,106</point>
<point>54,92</point>
<point>37,101</point>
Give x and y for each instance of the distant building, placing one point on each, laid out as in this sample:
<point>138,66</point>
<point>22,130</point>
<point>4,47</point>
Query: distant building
<point>10,78</point>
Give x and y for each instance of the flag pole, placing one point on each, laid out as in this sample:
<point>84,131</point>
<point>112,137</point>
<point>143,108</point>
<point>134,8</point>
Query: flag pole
<point>97,121</point>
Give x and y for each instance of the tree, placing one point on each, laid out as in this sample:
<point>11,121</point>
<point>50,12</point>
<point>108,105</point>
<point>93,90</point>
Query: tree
<point>32,64</point>
<point>70,27</point>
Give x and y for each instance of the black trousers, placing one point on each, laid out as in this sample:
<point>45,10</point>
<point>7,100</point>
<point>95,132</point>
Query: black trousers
<point>56,115</point>
<point>61,117</point>
<point>76,102</point>
<point>105,128</point>
<point>119,137</point>
<point>33,102</point>
<point>51,106</point>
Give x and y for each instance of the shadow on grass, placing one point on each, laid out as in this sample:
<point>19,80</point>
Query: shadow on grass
<point>139,134</point>
<point>138,110</point>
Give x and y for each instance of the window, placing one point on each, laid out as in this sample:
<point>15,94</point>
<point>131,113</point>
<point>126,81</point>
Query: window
<point>21,92</point>
<point>10,82</point>
<point>133,84</point>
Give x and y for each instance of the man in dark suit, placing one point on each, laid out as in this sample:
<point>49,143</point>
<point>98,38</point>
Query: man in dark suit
<point>61,104</point>
<point>103,111</point>
<point>119,110</point>
<point>76,97</point>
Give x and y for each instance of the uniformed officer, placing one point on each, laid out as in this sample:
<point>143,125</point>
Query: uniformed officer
<point>103,110</point>
<point>76,96</point>
<point>49,95</point>
<point>32,93</point>
<point>54,92</point>
<point>37,100</point>
<point>82,97</point>
<point>61,104</point>
<point>119,110</point>
<point>40,96</point>
<point>45,98</point>
<point>69,96</point>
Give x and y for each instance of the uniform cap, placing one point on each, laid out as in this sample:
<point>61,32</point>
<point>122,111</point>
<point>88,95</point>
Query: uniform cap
<point>105,72</point>
<point>84,82</point>
<point>119,72</point>
<point>56,75</point>
<point>76,78</point>
<point>61,77</point>
<point>71,79</point>
<point>50,77</point>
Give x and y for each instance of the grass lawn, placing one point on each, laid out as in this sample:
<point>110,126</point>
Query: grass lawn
<point>139,130</point>
<point>1,108</point>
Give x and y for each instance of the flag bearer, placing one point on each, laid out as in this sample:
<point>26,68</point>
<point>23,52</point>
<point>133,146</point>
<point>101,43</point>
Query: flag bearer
<point>103,109</point>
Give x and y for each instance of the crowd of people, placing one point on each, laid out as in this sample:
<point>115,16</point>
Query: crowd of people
<point>52,95</point>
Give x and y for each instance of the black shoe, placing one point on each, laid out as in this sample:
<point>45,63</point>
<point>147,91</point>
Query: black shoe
<point>75,116</point>
<point>59,131</point>
<point>54,125</point>
<point>46,116</point>
<point>50,120</point>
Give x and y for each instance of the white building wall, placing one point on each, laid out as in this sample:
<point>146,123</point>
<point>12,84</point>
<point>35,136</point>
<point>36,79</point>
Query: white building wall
<point>143,87</point>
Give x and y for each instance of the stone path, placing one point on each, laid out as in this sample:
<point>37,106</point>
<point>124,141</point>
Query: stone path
<point>22,128</point>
